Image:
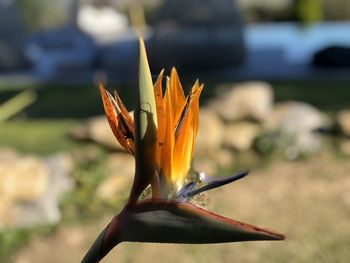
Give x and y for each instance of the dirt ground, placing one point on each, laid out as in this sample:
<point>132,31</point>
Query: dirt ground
<point>307,200</point>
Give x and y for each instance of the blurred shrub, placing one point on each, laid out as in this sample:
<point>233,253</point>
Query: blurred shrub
<point>38,14</point>
<point>336,9</point>
<point>309,11</point>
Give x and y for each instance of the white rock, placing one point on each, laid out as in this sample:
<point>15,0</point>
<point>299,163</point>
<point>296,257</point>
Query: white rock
<point>240,135</point>
<point>207,165</point>
<point>343,121</point>
<point>120,174</point>
<point>8,154</point>
<point>30,190</point>
<point>116,185</point>
<point>210,133</point>
<point>344,146</point>
<point>100,132</point>
<point>295,123</point>
<point>121,163</point>
<point>23,179</point>
<point>249,100</point>
<point>224,158</point>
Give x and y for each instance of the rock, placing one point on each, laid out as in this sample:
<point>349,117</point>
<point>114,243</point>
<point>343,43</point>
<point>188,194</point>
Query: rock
<point>23,179</point>
<point>295,123</point>
<point>30,189</point>
<point>97,130</point>
<point>79,132</point>
<point>249,100</point>
<point>343,121</point>
<point>240,135</point>
<point>87,154</point>
<point>210,133</point>
<point>121,163</point>
<point>8,154</point>
<point>224,158</point>
<point>120,174</point>
<point>60,167</point>
<point>100,132</point>
<point>221,158</point>
<point>116,185</point>
<point>207,165</point>
<point>344,146</point>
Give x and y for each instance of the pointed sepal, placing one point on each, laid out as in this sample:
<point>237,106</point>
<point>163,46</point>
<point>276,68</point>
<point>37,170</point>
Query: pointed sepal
<point>145,131</point>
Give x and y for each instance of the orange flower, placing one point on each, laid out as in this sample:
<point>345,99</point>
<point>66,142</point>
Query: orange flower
<point>177,127</point>
<point>177,119</point>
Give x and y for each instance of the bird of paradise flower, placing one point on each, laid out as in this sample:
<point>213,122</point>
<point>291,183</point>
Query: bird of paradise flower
<point>162,139</point>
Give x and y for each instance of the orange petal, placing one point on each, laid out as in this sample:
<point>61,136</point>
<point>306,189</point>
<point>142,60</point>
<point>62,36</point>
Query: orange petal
<point>169,140</point>
<point>122,127</point>
<point>126,124</point>
<point>124,112</point>
<point>184,144</point>
<point>183,152</point>
<point>185,109</point>
<point>177,95</point>
<point>195,108</point>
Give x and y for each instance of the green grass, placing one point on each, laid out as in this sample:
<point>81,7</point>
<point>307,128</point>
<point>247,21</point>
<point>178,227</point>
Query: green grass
<point>325,96</point>
<point>64,102</point>
<point>12,239</point>
<point>36,136</point>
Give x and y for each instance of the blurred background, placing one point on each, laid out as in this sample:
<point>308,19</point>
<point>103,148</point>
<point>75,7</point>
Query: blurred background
<point>276,101</point>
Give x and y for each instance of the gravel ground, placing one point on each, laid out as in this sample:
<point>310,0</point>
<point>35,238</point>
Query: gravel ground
<point>307,200</point>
